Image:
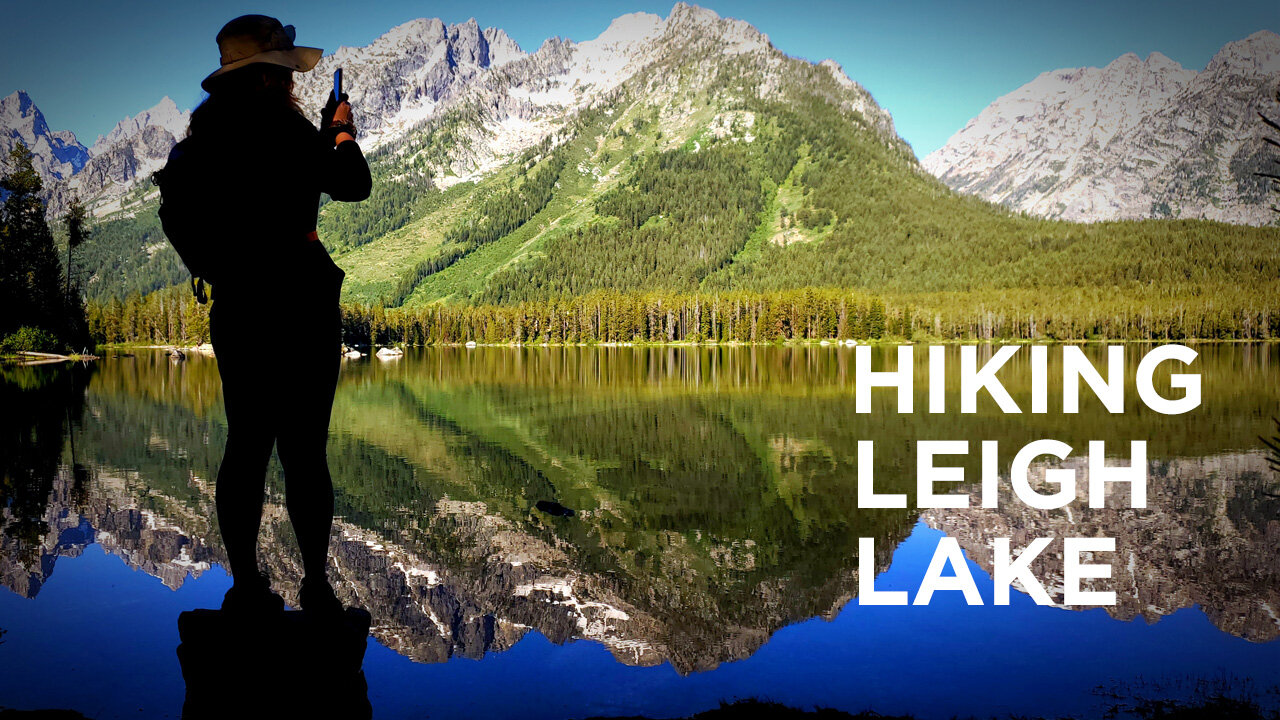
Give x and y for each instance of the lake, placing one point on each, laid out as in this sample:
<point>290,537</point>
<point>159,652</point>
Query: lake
<point>559,532</point>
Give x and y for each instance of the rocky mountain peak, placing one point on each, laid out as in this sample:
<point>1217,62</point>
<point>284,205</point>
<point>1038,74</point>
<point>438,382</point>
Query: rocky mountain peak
<point>1126,63</point>
<point>57,154</point>
<point>164,115</point>
<point>1160,62</point>
<point>400,78</point>
<point>410,35</point>
<point>692,21</point>
<point>18,104</point>
<point>1129,78</point>
<point>483,48</point>
<point>1134,139</point>
<point>467,44</point>
<point>631,28</point>
<point>502,49</point>
<point>1130,64</point>
<point>1258,54</point>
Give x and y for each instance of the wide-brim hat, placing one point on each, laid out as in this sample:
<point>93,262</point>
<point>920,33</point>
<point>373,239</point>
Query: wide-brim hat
<point>253,39</point>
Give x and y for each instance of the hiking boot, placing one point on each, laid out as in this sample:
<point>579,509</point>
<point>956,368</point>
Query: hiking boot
<point>316,598</point>
<point>252,596</point>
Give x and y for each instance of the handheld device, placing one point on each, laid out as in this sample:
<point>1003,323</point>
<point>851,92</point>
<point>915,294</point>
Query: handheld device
<point>337,85</point>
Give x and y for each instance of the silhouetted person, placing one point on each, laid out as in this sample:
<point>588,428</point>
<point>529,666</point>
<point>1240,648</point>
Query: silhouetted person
<point>240,196</point>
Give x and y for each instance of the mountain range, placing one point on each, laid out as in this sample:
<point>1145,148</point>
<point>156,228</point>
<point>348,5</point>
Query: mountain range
<point>687,153</point>
<point>1135,139</point>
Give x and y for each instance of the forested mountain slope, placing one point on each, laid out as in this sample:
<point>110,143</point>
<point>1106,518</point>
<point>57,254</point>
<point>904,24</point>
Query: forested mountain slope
<point>688,155</point>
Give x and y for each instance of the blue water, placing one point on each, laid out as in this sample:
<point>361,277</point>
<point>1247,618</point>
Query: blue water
<point>100,638</point>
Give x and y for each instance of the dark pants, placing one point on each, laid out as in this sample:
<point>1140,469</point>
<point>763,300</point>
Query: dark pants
<point>278,358</point>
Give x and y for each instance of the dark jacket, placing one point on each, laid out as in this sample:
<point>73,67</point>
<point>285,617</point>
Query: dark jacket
<point>244,201</point>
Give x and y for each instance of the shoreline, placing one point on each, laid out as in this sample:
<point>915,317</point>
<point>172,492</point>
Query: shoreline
<point>829,343</point>
<point>27,358</point>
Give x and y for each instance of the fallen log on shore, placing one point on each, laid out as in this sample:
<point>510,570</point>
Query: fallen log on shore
<point>54,356</point>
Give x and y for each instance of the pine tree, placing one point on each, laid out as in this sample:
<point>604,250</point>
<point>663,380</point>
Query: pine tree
<point>30,276</point>
<point>73,304</point>
<point>77,233</point>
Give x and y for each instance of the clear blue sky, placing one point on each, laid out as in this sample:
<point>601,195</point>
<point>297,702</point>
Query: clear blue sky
<point>87,63</point>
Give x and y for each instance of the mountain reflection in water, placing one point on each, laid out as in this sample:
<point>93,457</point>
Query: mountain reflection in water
<point>712,493</point>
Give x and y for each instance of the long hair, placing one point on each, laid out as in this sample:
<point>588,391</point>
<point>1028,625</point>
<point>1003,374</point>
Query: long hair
<point>244,93</point>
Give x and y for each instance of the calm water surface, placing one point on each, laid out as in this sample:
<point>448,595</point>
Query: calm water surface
<point>711,553</point>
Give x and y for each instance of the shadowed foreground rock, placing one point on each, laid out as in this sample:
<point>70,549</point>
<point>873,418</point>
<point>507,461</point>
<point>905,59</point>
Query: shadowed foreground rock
<point>286,666</point>
<point>1214,708</point>
<point>772,711</point>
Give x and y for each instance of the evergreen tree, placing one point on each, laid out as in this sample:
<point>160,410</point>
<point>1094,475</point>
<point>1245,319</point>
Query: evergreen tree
<point>30,278</point>
<point>77,233</point>
<point>74,309</point>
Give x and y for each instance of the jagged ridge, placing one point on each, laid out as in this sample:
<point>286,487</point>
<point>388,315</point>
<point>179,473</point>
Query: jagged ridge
<point>1135,139</point>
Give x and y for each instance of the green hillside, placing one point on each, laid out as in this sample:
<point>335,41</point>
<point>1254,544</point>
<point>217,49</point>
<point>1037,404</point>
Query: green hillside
<point>701,187</point>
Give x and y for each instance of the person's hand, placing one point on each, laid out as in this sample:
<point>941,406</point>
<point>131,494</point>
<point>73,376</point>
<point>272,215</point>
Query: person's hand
<point>336,120</point>
<point>330,106</point>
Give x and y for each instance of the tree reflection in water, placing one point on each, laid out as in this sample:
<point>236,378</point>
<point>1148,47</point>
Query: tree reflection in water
<point>712,491</point>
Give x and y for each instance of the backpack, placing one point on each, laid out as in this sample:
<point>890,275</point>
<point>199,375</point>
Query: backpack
<point>186,216</point>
